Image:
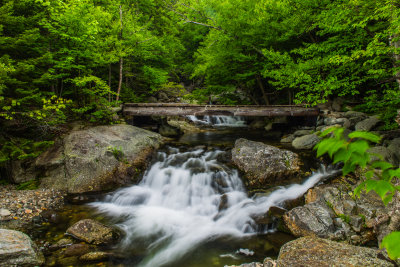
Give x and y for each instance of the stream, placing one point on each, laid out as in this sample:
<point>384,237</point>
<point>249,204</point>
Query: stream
<point>191,207</point>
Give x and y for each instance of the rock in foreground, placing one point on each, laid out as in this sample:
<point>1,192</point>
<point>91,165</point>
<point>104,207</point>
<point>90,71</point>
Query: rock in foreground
<point>312,251</point>
<point>264,164</point>
<point>17,249</point>
<point>93,232</point>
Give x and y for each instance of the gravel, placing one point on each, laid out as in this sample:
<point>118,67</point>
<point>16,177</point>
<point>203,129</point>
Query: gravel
<point>18,208</point>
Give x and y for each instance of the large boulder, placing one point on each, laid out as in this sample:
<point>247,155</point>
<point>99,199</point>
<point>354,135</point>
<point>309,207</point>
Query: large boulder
<point>306,141</point>
<point>93,232</point>
<point>97,158</point>
<point>264,164</point>
<point>312,251</point>
<point>17,249</point>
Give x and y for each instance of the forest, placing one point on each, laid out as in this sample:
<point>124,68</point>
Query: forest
<point>66,60</point>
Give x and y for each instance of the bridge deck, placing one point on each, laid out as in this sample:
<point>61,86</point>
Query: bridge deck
<point>176,109</point>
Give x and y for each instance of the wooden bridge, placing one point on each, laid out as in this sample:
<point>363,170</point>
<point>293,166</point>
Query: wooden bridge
<point>176,109</point>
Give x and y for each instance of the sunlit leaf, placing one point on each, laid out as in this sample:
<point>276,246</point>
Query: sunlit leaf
<point>391,243</point>
<point>365,135</point>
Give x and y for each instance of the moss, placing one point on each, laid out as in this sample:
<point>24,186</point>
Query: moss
<point>29,185</point>
<point>345,218</point>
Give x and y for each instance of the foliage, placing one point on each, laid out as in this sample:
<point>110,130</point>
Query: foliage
<point>29,185</point>
<point>379,174</point>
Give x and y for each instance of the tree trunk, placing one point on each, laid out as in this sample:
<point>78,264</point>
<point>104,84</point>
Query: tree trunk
<point>395,43</point>
<point>261,85</point>
<point>121,68</point>
<point>121,59</point>
<point>109,81</point>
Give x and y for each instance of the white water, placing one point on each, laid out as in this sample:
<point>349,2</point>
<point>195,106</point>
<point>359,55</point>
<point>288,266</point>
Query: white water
<point>177,206</point>
<point>219,121</point>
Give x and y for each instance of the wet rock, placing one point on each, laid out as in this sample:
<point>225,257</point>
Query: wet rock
<point>312,251</point>
<point>288,138</point>
<point>97,158</point>
<point>367,124</point>
<point>183,126</point>
<point>95,256</point>
<point>306,141</point>
<point>62,243</point>
<point>93,232</point>
<point>264,164</point>
<point>257,124</point>
<point>253,264</point>
<point>167,130</point>
<point>76,250</point>
<point>17,249</point>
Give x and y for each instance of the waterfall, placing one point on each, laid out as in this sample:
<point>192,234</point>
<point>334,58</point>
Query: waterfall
<point>219,121</point>
<point>187,199</point>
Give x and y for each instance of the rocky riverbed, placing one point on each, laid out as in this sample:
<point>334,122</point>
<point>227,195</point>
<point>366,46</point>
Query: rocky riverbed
<point>19,209</point>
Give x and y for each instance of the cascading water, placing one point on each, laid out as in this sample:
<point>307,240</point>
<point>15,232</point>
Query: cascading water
<point>219,121</point>
<point>187,199</point>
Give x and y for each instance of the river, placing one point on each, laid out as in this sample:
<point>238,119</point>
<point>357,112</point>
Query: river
<point>192,209</point>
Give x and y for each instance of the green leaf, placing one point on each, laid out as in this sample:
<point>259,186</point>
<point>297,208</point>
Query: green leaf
<point>360,159</point>
<point>341,155</point>
<point>359,188</point>
<point>369,174</point>
<point>391,243</point>
<point>328,131</point>
<point>365,135</point>
<point>359,146</point>
<point>348,168</point>
<point>394,173</point>
<point>383,165</point>
<point>329,146</point>
<point>381,187</point>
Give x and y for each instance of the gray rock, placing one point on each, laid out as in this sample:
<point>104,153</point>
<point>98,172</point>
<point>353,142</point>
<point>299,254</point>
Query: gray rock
<point>93,232</point>
<point>306,141</point>
<point>394,146</point>
<point>17,249</point>
<point>312,251</point>
<point>355,114</point>
<point>22,171</point>
<point>264,164</point>
<point>314,219</point>
<point>367,124</point>
<point>4,213</point>
<point>302,132</point>
<point>96,159</point>
<point>288,138</point>
<point>385,152</point>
